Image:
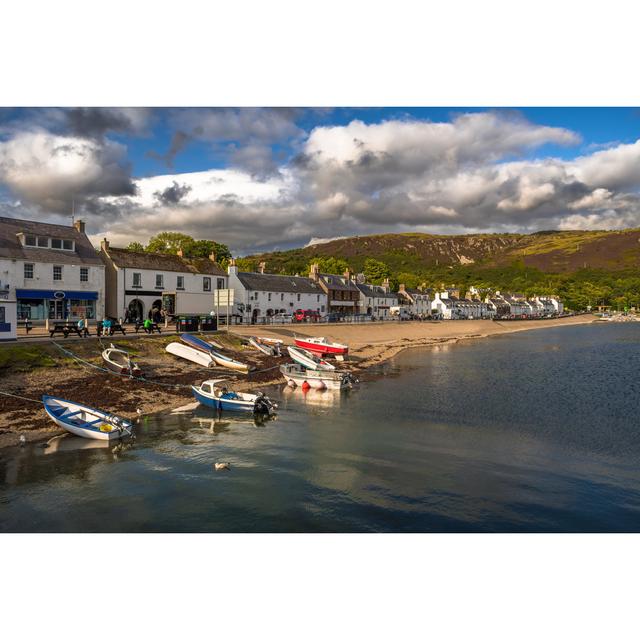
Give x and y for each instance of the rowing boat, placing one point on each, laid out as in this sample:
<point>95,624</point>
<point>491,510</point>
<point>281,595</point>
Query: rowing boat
<point>85,421</point>
<point>119,361</point>
<point>200,345</point>
<point>225,361</point>
<point>322,345</point>
<point>309,360</point>
<point>212,393</point>
<point>266,347</point>
<point>193,355</point>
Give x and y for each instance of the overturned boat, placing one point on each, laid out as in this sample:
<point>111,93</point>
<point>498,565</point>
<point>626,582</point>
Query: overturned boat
<point>214,394</point>
<point>297,375</point>
<point>119,361</point>
<point>198,344</point>
<point>84,421</point>
<point>188,353</point>
<point>266,346</point>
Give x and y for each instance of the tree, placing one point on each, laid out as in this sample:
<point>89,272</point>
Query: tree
<point>135,246</point>
<point>376,271</point>
<point>336,266</point>
<point>168,242</point>
<point>204,248</point>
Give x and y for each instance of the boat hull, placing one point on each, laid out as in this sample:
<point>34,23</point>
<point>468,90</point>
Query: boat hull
<point>309,361</point>
<point>222,404</point>
<point>188,353</point>
<point>135,371</point>
<point>297,375</point>
<point>327,348</point>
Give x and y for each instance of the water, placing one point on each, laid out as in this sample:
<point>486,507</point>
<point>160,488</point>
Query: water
<point>535,431</point>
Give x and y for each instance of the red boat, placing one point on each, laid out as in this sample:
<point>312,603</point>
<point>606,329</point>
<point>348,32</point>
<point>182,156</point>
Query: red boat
<point>322,345</point>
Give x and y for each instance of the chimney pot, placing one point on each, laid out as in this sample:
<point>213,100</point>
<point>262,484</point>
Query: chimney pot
<point>79,225</point>
<point>262,266</point>
<point>212,256</point>
<point>180,253</point>
<point>104,245</point>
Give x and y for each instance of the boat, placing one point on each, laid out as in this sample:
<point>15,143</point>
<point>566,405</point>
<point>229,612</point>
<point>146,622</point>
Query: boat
<point>297,375</point>
<point>85,421</point>
<point>213,393</point>
<point>200,345</point>
<point>193,355</point>
<point>119,361</point>
<point>322,345</point>
<point>309,360</point>
<point>266,347</point>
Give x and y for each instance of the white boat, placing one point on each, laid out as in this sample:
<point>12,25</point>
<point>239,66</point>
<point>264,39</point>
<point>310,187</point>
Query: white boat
<point>309,360</point>
<point>267,347</point>
<point>84,421</point>
<point>229,363</point>
<point>297,375</point>
<point>214,394</point>
<point>188,353</point>
<point>119,361</point>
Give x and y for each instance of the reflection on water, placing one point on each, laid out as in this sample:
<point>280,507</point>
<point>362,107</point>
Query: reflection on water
<point>527,432</point>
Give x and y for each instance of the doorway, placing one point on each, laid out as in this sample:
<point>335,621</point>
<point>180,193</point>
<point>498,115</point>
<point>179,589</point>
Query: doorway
<point>136,310</point>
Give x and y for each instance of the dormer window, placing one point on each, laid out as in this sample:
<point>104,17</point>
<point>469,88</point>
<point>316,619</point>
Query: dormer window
<point>56,243</point>
<point>43,242</point>
<point>30,241</point>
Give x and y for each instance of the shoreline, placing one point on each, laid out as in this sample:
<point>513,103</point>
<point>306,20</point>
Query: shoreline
<point>369,345</point>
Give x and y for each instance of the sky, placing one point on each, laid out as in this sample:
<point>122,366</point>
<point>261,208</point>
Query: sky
<point>260,179</point>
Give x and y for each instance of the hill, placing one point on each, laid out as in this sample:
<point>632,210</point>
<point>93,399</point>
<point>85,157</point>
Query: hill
<point>586,267</point>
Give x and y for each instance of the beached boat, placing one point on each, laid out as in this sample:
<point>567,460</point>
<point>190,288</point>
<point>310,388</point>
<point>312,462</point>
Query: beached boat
<point>214,394</point>
<point>119,361</point>
<point>322,345</point>
<point>85,421</point>
<point>309,360</point>
<point>220,359</point>
<point>297,375</point>
<point>266,347</point>
<point>188,353</point>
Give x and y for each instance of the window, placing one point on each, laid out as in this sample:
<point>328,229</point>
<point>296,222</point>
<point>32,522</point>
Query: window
<point>56,243</point>
<point>2,315</point>
<point>220,283</point>
<point>298,297</point>
<point>206,284</point>
<point>28,271</point>
<point>67,245</point>
<point>43,242</point>
<point>159,281</point>
<point>318,298</point>
<point>180,282</point>
<point>137,279</point>
<point>281,297</point>
<point>30,241</point>
<point>57,272</point>
<point>269,297</point>
<point>84,274</point>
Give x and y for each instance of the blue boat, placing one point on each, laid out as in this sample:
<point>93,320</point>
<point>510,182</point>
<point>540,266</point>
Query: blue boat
<point>213,394</point>
<point>196,343</point>
<point>85,421</point>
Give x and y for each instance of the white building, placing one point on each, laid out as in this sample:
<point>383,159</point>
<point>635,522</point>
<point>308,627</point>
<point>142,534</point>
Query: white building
<point>53,270</point>
<point>259,296</point>
<point>416,301</point>
<point>138,281</point>
<point>8,312</point>
<point>376,300</point>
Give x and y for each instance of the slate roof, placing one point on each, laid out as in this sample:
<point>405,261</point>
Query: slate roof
<point>125,258</point>
<point>375,291</point>
<point>11,247</point>
<point>278,283</point>
<point>338,283</point>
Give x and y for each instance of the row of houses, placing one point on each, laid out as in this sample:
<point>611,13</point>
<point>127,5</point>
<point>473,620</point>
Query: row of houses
<point>52,272</point>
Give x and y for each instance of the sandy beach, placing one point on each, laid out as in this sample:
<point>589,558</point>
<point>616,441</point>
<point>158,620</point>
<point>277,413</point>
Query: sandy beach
<point>169,378</point>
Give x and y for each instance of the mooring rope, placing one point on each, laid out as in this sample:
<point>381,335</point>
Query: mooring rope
<point>15,395</point>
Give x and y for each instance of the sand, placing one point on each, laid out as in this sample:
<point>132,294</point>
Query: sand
<point>369,344</point>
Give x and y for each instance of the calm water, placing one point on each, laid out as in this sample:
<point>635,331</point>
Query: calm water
<point>530,432</point>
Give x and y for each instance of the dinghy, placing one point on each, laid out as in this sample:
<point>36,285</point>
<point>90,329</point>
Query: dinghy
<point>229,363</point>
<point>269,349</point>
<point>84,421</point>
<point>296,374</point>
<point>309,360</point>
<point>200,345</point>
<point>322,345</point>
<point>193,355</point>
<point>119,361</point>
<point>196,343</point>
<point>214,394</point>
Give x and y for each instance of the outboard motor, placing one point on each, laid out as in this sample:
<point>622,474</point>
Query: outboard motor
<point>264,404</point>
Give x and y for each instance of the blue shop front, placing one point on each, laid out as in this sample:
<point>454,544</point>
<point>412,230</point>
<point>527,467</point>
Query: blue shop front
<point>42,304</point>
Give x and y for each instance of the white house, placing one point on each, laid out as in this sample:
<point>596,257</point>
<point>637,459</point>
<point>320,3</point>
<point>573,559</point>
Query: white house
<point>138,281</point>
<point>53,270</point>
<point>376,300</point>
<point>417,302</point>
<point>8,312</point>
<point>259,296</point>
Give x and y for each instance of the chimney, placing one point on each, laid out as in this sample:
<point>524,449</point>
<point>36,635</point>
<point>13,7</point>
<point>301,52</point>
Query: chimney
<point>314,272</point>
<point>232,268</point>
<point>386,285</point>
<point>347,274</point>
<point>401,288</point>
<point>262,266</point>
<point>79,225</point>
<point>212,256</point>
<point>104,245</point>
<point>180,253</point>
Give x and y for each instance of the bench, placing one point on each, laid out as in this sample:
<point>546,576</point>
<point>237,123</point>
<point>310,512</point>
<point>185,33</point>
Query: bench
<point>64,329</point>
<point>154,327</point>
<point>115,326</point>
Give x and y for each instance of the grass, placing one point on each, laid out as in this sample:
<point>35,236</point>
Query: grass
<point>26,357</point>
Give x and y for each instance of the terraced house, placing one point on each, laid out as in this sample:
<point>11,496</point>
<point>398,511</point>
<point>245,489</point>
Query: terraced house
<point>343,295</point>
<point>138,281</point>
<point>52,270</point>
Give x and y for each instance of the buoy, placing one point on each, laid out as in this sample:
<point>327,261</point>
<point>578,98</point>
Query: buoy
<point>306,385</point>
<point>23,440</point>
<point>222,466</point>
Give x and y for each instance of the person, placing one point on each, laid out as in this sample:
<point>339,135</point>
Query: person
<point>82,326</point>
<point>148,325</point>
<point>228,395</point>
<point>127,316</point>
<point>106,327</point>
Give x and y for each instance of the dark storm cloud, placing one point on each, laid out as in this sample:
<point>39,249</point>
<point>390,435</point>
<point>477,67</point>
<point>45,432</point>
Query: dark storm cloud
<point>93,122</point>
<point>179,141</point>
<point>173,194</point>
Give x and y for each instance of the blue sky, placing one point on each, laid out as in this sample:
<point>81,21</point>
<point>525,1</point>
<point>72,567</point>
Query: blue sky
<point>264,178</point>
